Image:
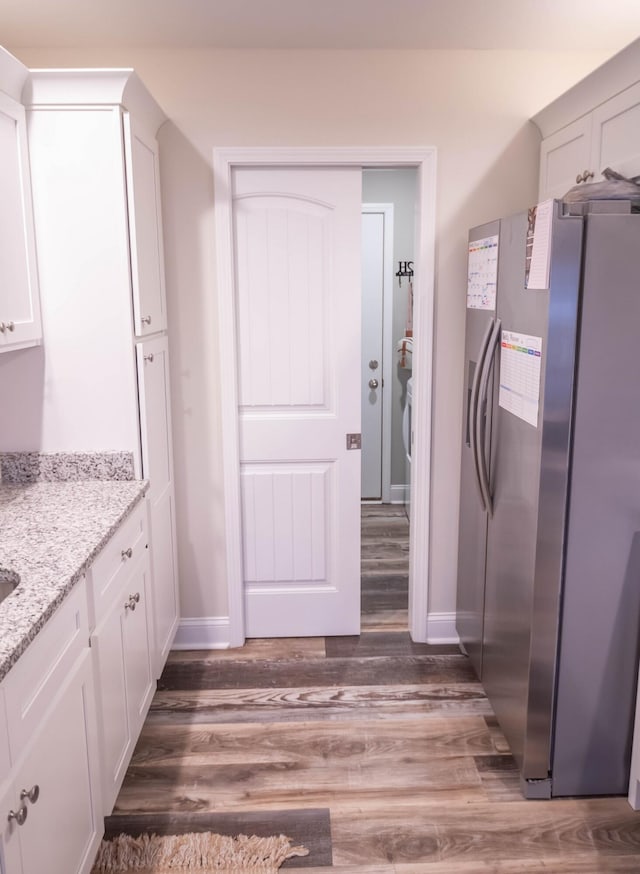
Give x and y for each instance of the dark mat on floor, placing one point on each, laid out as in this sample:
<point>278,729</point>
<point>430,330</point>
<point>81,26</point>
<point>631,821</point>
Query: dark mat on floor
<point>309,827</point>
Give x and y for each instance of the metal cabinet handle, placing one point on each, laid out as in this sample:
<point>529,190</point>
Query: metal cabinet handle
<point>126,553</point>
<point>373,383</point>
<point>145,320</point>
<point>373,364</point>
<point>131,603</point>
<point>10,326</point>
<point>31,795</point>
<point>582,177</point>
<point>149,357</point>
<point>3,327</point>
<point>20,815</point>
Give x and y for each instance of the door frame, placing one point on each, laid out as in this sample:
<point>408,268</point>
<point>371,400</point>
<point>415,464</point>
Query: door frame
<point>225,160</point>
<point>386,210</point>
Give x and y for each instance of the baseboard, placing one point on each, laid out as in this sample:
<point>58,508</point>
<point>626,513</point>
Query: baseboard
<point>441,628</point>
<point>213,632</point>
<point>206,632</point>
<point>398,494</point>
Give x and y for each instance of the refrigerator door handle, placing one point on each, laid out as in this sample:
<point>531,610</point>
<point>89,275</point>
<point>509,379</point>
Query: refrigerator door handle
<point>472,413</point>
<point>480,440</point>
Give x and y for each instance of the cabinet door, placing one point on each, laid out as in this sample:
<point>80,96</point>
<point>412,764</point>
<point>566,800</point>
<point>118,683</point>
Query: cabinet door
<point>157,466</point>
<point>563,156</point>
<point>113,720</point>
<point>165,590</point>
<point>135,641</point>
<point>64,825</point>
<point>616,134</point>
<point>19,298</point>
<point>145,229</point>
<point>155,415</point>
<point>120,644</point>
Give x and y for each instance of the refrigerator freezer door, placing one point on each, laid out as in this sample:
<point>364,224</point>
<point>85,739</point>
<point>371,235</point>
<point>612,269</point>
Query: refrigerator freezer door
<point>529,481</point>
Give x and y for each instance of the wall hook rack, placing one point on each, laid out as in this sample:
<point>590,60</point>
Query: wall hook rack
<point>405,268</point>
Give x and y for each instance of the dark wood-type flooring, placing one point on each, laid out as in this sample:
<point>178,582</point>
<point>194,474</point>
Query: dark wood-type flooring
<point>380,755</point>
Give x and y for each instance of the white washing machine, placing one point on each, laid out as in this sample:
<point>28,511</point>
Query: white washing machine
<point>406,438</point>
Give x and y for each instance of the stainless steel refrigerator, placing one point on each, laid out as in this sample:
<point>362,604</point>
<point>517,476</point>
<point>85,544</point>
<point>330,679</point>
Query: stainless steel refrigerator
<point>549,546</point>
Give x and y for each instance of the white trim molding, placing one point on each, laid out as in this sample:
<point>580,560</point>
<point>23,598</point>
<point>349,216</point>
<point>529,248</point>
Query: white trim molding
<point>441,628</point>
<point>424,159</point>
<point>206,632</point>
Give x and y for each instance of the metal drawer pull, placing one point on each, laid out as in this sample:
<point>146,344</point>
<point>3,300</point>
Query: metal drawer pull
<point>126,553</point>
<point>3,327</point>
<point>10,326</point>
<point>131,603</point>
<point>149,357</point>
<point>20,816</point>
<point>146,320</point>
<point>32,794</point>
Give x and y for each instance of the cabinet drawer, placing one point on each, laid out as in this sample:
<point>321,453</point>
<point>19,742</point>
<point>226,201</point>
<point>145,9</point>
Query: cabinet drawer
<point>31,685</point>
<point>121,552</point>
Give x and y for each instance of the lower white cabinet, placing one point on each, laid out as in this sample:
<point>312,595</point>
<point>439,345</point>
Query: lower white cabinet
<point>51,813</point>
<point>121,585</point>
<point>53,786</point>
<point>71,710</point>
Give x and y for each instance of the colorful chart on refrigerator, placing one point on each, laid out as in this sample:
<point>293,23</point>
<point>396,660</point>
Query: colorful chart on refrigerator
<point>520,359</point>
<point>483,274</point>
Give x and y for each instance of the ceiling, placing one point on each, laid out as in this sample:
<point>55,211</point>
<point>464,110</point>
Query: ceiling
<point>571,25</point>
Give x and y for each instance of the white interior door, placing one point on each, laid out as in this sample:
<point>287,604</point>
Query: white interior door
<point>372,380</point>
<point>297,233</point>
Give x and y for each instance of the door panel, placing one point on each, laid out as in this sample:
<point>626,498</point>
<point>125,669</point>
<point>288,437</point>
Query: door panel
<point>297,269</point>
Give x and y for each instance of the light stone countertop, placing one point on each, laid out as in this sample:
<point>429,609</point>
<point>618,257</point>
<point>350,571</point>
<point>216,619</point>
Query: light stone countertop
<point>50,532</point>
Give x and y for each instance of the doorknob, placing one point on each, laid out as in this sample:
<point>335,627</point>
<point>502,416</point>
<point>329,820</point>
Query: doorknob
<point>373,383</point>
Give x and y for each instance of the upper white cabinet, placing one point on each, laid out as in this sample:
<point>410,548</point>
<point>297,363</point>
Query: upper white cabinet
<point>19,301</point>
<point>145,228</point>
<point>560,156</point>
<point>593,126</point>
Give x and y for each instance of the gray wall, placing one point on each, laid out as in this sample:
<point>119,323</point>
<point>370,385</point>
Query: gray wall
<point>399,188</point>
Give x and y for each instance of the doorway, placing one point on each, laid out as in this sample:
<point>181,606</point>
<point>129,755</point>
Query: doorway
<point>224,163</point>
<point>390,197</point>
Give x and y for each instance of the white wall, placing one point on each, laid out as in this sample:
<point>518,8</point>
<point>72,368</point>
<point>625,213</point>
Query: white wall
<point>473,106</point>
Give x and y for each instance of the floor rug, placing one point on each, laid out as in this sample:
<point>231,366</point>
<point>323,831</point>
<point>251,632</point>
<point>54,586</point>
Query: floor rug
<point>201,852</point>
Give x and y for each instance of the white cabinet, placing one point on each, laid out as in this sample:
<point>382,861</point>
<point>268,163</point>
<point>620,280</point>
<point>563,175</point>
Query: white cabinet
<point>119,581</point>
<point>19,300</point>
<point>94,160</point>
<point>616,134</point>
<point>145,226</point>
<point>155,412</point>
<point>563,156</point>
<point>593,126</point>
<point>51,815</point>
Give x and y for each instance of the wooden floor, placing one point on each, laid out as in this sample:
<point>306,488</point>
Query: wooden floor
<point>378,754</point>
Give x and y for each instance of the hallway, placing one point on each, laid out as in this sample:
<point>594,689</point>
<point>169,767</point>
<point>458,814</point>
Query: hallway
<point>378,754</point>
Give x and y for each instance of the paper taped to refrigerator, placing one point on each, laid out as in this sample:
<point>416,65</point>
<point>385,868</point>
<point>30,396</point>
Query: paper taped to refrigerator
<point>539,245</point>
<point>483,273</point>
<point>520,359</point>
